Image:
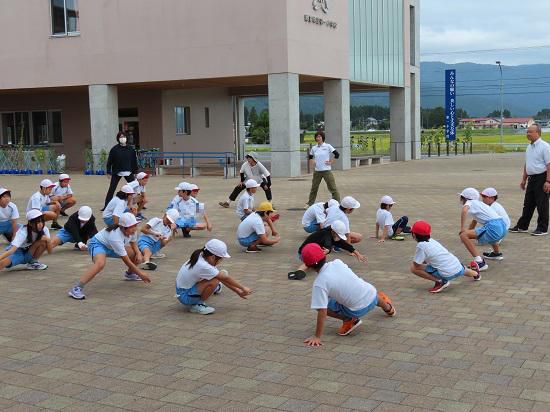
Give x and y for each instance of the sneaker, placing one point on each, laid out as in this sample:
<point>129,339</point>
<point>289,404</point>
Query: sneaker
<point>224,204</point>
<point>131,276</point>
<point>516,229</point>
<point>202,309</point>
<point>480,265</point>
<point>62,213</point>
<point>56,226</point>
<point>349,326</point>
<point>77,293</point>
<point>492,255</point>
<point>218,289</point>
<point>397,237</point>
<point>36,266</point>
<point>186,234</point>
<point>158,256</point>
<point>539,232</point>
<point>475,266</point>
<point>149,266</point>
<point>439,286</point>
<point>140,216</point>
<point>253,249</point>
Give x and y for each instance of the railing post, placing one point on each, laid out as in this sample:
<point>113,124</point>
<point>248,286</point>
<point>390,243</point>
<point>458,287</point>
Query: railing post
<point>429,149</point>
<point>463,148</point>
<point>447,148</point>
<point>456,148</point>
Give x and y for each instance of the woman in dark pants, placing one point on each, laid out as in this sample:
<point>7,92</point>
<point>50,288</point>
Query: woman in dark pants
<point>122,162</point>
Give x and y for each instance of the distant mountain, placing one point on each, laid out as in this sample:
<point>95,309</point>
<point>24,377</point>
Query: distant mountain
<point>526,90</point>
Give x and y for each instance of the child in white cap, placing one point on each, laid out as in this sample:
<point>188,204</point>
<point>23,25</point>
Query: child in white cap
<point>41,201</point>
<point>255,170</point>
<point>139,198</point>
<point>489,196</point>
<point>491,231</point>
<point>341,212</point>
<point>8,214</point>
<point>384,222</point>
<point>155,235</point>
<point>251,232</point>
<point>118,205</point>
<point>187,208</point>
<point>315,216</point>
<point>28,244</point>
<point>117,241</point>
<point>199,278</point>
<point>63,193</point>
<point>245,205</point>
<point>80,228</point>
<point>201,207</point>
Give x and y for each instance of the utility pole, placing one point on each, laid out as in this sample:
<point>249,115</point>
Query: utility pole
<point>501,103</point>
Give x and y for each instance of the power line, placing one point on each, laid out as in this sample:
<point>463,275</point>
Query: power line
<point>489,94</point>
<point>487,80</point>
<point>542,46</point>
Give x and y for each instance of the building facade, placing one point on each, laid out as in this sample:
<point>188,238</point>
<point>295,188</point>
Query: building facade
<point>174,72</point>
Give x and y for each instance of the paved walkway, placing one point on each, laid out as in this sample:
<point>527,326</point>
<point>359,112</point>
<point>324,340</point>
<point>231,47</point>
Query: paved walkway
<point>478,346</point>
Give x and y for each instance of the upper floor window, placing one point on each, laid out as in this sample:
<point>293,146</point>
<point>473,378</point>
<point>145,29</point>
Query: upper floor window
<point>64,17</point>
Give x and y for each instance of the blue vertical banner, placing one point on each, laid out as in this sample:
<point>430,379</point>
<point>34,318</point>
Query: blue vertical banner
<point>450,105</point>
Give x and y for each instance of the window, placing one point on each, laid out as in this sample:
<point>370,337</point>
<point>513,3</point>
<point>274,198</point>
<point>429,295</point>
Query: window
<point>31,128</point>
<point>413,35</point>
<point>183,120</point>
<point>207,117</point>
<point>65,17</point>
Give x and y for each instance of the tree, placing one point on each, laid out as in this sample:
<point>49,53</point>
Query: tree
<point>259,130</point>
<point>461,114</point>
<point>252,116</point>
<point>543,114</point>
<point>496,114</point>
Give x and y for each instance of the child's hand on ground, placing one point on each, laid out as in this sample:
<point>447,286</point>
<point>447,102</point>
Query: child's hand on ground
<point>245,292</point>
<point>326,251</point>
<point>144,277</point>
<point>313,341</point>
<point>209,227</point>
<point>381,240</point>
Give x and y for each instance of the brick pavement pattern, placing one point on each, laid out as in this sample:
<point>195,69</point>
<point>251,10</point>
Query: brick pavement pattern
<point>478,346</point>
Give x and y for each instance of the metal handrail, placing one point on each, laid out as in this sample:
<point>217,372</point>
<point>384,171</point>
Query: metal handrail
<point>227,157</point>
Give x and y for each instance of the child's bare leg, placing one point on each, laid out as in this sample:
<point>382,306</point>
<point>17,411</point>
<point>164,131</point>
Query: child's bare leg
<point>207,287</point>
<point>5,262</point>
<point>466,238</point>
<point>147,254</point>
<point>496,247</point>
<point>336,315</point>
<point>37,248</point>
<point>98,265</point>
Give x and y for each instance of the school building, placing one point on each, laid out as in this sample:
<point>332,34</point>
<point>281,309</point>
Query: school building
<point>174,72</point>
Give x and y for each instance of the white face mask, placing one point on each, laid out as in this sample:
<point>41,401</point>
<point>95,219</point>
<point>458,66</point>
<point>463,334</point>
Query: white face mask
<point>122,141</point>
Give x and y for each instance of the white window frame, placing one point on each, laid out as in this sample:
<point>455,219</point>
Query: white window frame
<point>66,33</point>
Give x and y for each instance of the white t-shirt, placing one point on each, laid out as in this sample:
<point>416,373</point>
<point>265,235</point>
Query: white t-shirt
<point>189,277</point>
<point>314,214</point>
<point>433,253</point>
<point>256,172</point>
<point>61,191</point>
<point>115,207</point>
<point>115,240</point>
<point>321,154</point>
<point>334,213</point>
<point>385,218</point>
<point>199,207</point>
<point>9,212</point>
<point>497,207</point>
<point>337,281</point>
<point>537,156</point>
<point>20,238</point>
<point>38,201</point>
<point>481,212</point>
<point>158,226</point>
<point>246,201</point>
<point>186,208</point>
<point>252,224</point>
<point>138,189</point>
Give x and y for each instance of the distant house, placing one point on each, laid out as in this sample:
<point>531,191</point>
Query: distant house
<point>480,123</point>
<point>518,122</point>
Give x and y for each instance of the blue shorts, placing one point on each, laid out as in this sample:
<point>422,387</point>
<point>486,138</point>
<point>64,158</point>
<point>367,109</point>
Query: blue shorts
<point>109,221</point>
<point>45,208</point>
<point>147,242</point>
<point>19,257</point>
<point>64,236</point>
<point>5,227</point>
<point>189,296</point>
<point>95,247</point>
<point>247,241</point>
<point>189,222</point>
<point>434,272</point>
<point>491,232</point>
<point>348,313</point>
<point>312,227</point>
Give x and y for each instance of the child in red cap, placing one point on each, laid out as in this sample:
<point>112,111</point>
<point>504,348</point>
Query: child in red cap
<point>340,293</point>
<point>433,262</point>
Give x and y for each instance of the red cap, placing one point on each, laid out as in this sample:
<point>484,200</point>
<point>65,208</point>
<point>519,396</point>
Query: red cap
<point>422,228</point>
<point>312,254</point>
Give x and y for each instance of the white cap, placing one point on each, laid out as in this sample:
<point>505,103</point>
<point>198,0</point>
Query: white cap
<point>333,202</point>
<point>470,193</point>
<point>46,183</point>
<point>183,186</point>
<point>217,248</point>
<point>250,183</point>
<point>386,200</point>
<point>142,175</point>
<point>349,202</point>
<point>489,192</point>
<point>85,213</point>
<point>340,228</point>
<point>194,186</point>
<point>253,156</point>
<point>33,214</point>
<point>127,220</point>
<point>3,190</point>
<point>64,176</point>
<point>172,215</point>
<point>128,189</point>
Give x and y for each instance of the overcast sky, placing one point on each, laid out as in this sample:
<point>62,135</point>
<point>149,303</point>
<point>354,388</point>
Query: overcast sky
<point>463,25</point>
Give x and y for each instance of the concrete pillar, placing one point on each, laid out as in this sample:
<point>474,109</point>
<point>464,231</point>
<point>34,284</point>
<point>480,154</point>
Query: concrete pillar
<point>103,116</point>
<point>416,147</point>
<point>241,129</point>
<point>284,124</point>
<point>400,123</point>
<point>337,120</point>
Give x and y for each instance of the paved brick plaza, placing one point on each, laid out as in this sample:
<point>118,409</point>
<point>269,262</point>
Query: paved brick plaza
<point>478,346</point>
